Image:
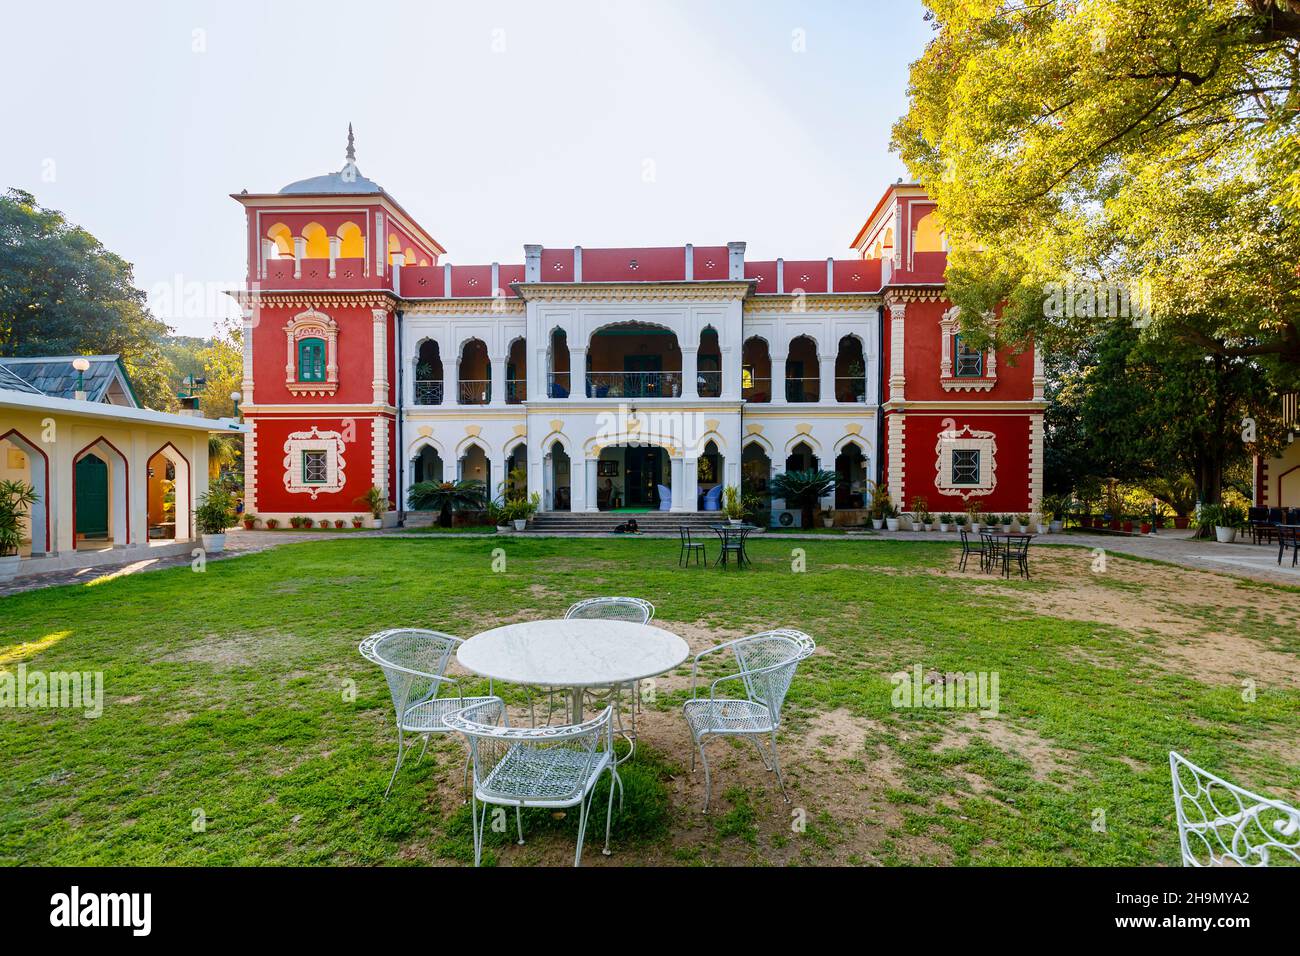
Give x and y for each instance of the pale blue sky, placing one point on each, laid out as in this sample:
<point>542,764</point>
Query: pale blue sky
<point>494,124</point>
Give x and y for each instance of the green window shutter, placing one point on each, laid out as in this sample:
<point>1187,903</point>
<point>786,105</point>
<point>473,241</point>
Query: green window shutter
<point>311,360</point>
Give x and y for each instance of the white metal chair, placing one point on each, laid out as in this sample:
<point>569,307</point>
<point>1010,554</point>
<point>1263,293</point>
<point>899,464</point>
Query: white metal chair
<point>634,610</point>
<point>1220,824</point>
<point>551,767</point>
<point>767,663</point>
<point>414,662</point>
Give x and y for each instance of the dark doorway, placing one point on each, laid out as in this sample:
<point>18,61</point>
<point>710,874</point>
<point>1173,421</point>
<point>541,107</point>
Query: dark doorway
<point>643,473</point>
<point>92,497</point>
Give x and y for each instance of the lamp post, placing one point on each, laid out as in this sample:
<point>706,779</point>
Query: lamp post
<point>235,397</point>
<point>81,365</point>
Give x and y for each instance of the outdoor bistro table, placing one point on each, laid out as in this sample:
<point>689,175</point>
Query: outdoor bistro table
<point>1005,549</point>
<point>727,533</point>
<point>575,654</point>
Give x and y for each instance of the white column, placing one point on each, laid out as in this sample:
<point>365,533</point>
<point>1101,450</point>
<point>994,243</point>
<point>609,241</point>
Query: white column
<point>541,475</point>
<point>246,382</point>
<point>691,485</point>
<point>577,371</point>
<point>897,379</point>
<point>777,467</point>
<point>497,366</point>
<point>399,260</point>
<point>380,381</point>
<point>268,252</point>
<point>450,376</point>
<point>778,374</point>
<point>299,253</point>
<point>690,382</point>
<point>335,243</point>
<point>827,367</point>
<point>589,466</point>
<point>679,489</point>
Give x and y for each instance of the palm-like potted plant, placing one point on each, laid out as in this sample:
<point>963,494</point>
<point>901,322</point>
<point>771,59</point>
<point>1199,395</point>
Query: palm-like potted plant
<point>447,497</point>
<point>521,509</point>
<point>803,488</point>
<point>376,502</point>
<point>733,505</point>
<point>498,514</point>
<point>1226,520</point>
<point>249,520</point>
<point>214,514</point>
<point>16,498</point>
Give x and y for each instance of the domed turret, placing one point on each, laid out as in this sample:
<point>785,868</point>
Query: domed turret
<point>346,180</point>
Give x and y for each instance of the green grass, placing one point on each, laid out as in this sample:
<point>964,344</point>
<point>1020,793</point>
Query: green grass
<point>238,695</point>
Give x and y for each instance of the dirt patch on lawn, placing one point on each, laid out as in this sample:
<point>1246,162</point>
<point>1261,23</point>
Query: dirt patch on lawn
<point>242,651</point>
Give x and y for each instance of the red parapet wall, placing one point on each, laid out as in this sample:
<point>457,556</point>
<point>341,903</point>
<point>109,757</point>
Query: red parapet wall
<point>857,275</point>
<point>806,275</point>
<point>315,274</point>
<point>665,264</point>
<point>764,274</point>
<point>710,262</point>
<point>557,265</point>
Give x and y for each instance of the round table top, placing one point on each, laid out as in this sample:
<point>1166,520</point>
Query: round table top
<point>572,653</point>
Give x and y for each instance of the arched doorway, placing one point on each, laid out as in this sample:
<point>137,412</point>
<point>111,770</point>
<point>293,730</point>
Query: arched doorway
<point>515,472</point>
<point>517,373</point>
<point>428,374</point>
<point>21,460</point>
<point>475,374</point>
<point>633,478</point>
<point>100,498</point>
<point>710,478</point>
<point>474,466</point>
<point>801,458</point>
<point>168,495</point>
<point>558,468</point>
<point>426,465</point>
<point>851,472</point>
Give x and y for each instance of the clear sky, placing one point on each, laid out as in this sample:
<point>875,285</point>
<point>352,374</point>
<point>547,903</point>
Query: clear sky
<point>494,124</point>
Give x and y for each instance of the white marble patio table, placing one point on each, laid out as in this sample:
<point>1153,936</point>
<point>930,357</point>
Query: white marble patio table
<point>572,653</point>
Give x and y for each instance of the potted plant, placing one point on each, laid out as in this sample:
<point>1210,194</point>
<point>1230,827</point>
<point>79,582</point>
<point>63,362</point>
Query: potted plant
<point>1022,522</point>
<point>876,508</point>
<point>340,523</point>
<point>214,514</point>
<point>945,519</point>
<point>1042,524</point>
<point>498,514</point>
<point>16,497</point>
<point>802,489</point>
<point>1054,510</point>
<point>376,502</point>
<point>249,521</point>
<point>1226,520</point>
<point>273,523</point>
<point>891,515</point>
<point>828,518</point>
<point>524,508</point>
<point>447,497</point>
<point>959,521</point>
<point>295,521</point>
<point>308,522</point>
<point>357,521</point>
<point>733,505</point>
<point>1005,522</point>
<point>1146,527</point>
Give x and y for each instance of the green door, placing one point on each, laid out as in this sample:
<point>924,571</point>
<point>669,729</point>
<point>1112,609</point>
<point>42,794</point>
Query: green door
<point>92,497</point>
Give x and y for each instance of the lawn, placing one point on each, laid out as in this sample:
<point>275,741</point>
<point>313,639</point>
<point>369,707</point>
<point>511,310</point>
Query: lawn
<point>240,726</point>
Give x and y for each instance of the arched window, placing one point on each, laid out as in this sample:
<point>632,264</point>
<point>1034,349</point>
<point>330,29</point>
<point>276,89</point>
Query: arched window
<point>318,241</point>
<point>311,360</point>
<point>352,245</point>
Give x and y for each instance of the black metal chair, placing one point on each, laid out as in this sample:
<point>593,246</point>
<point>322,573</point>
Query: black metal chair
<point>732,541</point>
<point>1017,550</point>
<point>1288,537</point>
<point>967,551</point>
<point>990,550</point>
<point>690,547</point>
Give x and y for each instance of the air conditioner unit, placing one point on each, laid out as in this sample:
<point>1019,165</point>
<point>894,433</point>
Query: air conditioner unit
<point>786,518</point>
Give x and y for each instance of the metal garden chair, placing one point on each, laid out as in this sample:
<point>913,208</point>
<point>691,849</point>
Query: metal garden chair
<point>1220,824</point>
<point>634,610</point>
<point>767,663</point>
<point>967,551</point>
<point>691,547</point>
<point>551,767</point>
<point>414,662</point>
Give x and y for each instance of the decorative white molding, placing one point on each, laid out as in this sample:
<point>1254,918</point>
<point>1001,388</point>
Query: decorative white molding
<point>948,324</point>
<point>310,325</point>
<point>314,440</point>
<point>380,382</point>
<point>966,439</point>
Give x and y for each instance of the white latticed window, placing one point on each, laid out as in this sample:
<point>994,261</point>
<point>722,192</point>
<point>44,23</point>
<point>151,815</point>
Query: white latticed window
<point>970,363</point>
<point>315,467</point>
<point>966,466</point>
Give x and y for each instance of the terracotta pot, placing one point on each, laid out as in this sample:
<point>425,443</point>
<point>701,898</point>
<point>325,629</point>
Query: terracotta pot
<point>1181,522</point>
<point>1128,527</point>
<point>1146,527</point>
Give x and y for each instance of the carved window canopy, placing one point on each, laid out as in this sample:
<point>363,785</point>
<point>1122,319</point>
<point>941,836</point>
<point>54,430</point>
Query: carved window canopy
<point>312,325</point>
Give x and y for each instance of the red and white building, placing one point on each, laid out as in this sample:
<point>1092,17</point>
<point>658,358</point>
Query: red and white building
<point>618,378</point>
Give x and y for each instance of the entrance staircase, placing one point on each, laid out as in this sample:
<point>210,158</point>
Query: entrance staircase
<point>603,522</point>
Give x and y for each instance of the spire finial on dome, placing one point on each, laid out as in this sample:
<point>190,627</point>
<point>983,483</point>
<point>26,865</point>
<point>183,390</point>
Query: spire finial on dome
<point>352,148</point>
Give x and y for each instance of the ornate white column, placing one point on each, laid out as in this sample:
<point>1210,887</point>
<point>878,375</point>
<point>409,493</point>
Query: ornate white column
<point>380,382</point>
<point>690,382</point>
<point>826,368</point>
<point>778,360</point>
<point>577,371</point>
<point>897,378</point>
<point>246,383</point>
<point>299,253</point>
<point>335,244</point>
<point>679,484</point>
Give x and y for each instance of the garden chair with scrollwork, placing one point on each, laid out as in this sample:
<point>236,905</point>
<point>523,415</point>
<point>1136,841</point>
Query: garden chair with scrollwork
<point>635,611</point>
<point>414,662</point>
<point>548,767</point>
<point>767,664</point>
<point>1221,824</point>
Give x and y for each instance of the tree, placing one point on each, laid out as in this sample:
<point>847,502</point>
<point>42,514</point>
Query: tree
<point>62,292</point>
<point>803,488</point>
<point>1144,145</point>
<point>447,496</point>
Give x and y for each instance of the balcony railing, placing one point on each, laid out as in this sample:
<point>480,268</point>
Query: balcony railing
<point>557,385</point>
<point>634,384</point>
<point>852,388</point>
<point>516,393</point>
<point>475,391</point>
<point>806,389</point>
<point>708,384</point>
<point>428,392</point>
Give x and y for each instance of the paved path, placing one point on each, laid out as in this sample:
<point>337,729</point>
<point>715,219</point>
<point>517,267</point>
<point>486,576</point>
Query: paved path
<point>1257,562</point>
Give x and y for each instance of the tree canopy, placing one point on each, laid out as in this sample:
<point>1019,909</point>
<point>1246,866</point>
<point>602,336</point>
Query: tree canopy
<point>1147,145</point>
<point>62,292</point>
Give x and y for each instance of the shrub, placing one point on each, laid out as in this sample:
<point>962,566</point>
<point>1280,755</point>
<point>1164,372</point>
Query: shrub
<point>357,521</point>
<point>339,523</point>
<point>15,498</point>
<point>308,522</point>
<point>216,510</point>
<point>273,523</point>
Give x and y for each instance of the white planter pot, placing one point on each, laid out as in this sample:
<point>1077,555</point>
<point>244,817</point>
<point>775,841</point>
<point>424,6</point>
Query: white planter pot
<point>373,522</point>
<point>503,528</point>
<point>828,522</point>
<point>735,521</point>
<point>520,524</point>
<point>1055,526</point>
<point>213,543</point>
<point>1006,529</point>
<point>1042,529</point>
<point>877,523</point>
<point>1225,535</point>
<point>891,524</point>
<point>943,526</point>
<point>9,566</point>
